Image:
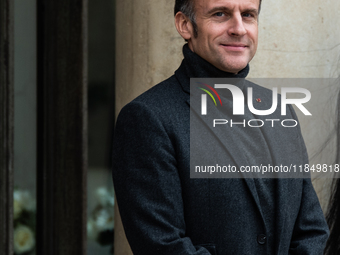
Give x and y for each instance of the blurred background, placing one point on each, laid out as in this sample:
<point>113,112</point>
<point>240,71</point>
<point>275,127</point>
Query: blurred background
<point>100,114</point>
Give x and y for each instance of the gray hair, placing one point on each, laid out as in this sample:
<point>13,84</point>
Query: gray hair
<point>187,7</point>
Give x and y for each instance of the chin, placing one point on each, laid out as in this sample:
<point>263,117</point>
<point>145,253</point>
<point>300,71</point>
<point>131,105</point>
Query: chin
<point>235,67</point>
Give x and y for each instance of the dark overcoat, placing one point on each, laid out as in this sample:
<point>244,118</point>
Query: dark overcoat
<point>164,211</point>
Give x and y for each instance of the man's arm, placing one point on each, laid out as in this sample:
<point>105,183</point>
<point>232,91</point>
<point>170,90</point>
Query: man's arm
<point>310,231</point>
<point>147,185</point>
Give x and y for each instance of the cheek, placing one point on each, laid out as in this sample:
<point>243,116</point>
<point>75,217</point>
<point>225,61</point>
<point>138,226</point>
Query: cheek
<point>253,33</point>
<point>252,29</point>
<point>214,30</point>
<point>219,31</point>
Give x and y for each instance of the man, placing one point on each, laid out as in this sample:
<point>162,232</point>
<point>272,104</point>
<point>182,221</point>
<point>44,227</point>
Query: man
<point>163,210</point>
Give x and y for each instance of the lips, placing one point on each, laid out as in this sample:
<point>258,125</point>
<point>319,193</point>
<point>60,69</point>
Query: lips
<point>234,46</point>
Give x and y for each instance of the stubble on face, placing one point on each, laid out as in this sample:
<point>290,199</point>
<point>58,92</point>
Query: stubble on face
<point>227,32</point>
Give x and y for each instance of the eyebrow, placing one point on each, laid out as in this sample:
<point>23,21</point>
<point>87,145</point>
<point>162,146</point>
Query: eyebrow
<point>226,9</point>
<point>252,10</point>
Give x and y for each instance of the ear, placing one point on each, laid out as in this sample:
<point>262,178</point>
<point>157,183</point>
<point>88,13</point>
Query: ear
<point>184,26</point>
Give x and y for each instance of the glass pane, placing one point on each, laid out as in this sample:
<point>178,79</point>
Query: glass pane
<point>24,126</point>
<point>100,124</point>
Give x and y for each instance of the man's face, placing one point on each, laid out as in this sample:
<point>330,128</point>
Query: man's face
<point>227,32</point>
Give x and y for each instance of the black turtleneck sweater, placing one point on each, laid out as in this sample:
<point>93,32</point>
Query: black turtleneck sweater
<point>197,67</point>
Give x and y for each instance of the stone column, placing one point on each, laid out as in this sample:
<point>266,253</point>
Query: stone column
<point>148,50</point>
<point>296,39</point>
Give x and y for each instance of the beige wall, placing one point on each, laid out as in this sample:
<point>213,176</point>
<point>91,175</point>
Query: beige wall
<point>297,39</point>
<point>148,46</point>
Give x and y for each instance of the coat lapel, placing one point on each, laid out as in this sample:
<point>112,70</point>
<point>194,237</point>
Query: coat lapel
<point>279,146</point>
<point>183,75</point>
<point>228,141</point>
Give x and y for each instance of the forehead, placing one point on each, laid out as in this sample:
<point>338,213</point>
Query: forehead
<point>205,5</point>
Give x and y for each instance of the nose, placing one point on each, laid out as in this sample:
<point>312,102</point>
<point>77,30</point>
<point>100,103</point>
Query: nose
<point>236,26</point>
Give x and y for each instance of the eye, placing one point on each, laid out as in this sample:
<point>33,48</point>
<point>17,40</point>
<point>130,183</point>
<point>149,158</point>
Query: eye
<point>248,15</point>
<point>219,14</point>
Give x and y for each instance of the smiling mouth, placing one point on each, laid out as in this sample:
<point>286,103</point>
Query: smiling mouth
<point>234,47</point>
